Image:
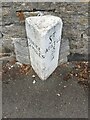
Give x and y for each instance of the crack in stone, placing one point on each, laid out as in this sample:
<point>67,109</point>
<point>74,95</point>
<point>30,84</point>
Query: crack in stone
<point>34,10</point>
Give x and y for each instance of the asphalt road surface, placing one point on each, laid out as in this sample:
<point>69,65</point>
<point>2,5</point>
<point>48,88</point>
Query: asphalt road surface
<point>26,96</point>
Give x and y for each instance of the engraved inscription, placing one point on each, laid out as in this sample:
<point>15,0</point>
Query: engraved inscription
<point>50,48</point>
<point>36,49</point>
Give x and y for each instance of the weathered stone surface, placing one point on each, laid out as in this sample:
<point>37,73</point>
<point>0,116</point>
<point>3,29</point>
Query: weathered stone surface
<point>44,37</point>
<point>63,60</point>
<point>14,31</point>
<point>64,46</point>
<point>7,45</point>
<point>64,51</point>
<point>23,59</point>
<point>21,50</point>
<point>0,46</point>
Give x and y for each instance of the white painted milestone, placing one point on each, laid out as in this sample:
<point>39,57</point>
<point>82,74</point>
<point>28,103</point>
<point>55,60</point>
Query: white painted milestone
<point>44,37</point>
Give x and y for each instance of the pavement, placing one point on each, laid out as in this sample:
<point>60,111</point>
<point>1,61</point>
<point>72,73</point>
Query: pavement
<point>24,95</point>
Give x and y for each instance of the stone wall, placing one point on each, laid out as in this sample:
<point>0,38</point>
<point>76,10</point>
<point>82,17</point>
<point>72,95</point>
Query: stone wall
<point>74,16</point>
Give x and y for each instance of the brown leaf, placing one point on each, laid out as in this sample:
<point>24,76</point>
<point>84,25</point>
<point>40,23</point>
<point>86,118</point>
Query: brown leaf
<point>24,69</point>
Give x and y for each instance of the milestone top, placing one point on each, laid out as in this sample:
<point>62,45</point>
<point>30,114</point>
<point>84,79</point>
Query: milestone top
<point>43,23</point>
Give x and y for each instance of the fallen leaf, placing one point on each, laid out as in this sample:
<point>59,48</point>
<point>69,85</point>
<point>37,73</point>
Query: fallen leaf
<point>24,69</point>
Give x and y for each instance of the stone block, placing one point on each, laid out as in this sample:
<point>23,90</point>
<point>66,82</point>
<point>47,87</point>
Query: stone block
<point>23,59</point>
<point>64,51</point>
<point>21,50</point>
<point>63,60</point>
<point>64,46</point>
<point>44,38</point>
